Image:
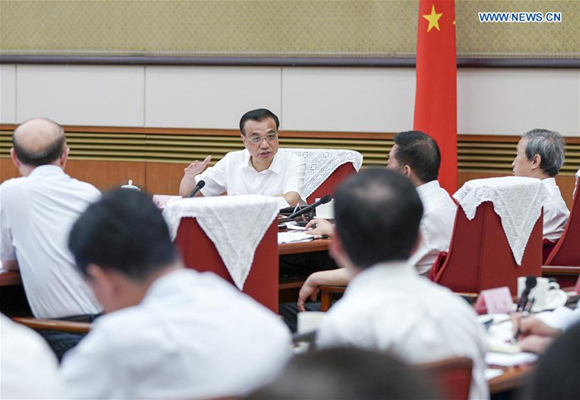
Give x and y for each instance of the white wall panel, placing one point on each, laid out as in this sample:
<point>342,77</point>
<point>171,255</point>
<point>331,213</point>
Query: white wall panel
<point>348,99</point>
<point>7,94</point>
<point>82,95</point>
<point>513,101</point>
<point>209,97</point>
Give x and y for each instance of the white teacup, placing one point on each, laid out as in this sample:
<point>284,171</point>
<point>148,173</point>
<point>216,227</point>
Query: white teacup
<point>325,211</point>
<point>544,294</point>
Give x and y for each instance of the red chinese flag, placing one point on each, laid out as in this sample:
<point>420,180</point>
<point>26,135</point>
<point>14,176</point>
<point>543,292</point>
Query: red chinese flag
<point>436,94</point>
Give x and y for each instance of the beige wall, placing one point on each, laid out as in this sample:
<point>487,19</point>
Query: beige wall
<point>490,101</point>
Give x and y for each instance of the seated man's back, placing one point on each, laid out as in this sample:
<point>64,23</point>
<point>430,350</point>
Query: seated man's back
<point>393,308</point>
<point>193,336</point>
<point>169,332</point>
<point>387,306</point>
<point>29,368</point>
<point>37,212</point>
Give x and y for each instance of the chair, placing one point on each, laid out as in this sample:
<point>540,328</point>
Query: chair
<point>480,257</point>
<point>452,377</point>
<point>199,252</point>
<point>325,169</point>
<point>328,186</point>
<point>566,251</point>
<point>54,325</point>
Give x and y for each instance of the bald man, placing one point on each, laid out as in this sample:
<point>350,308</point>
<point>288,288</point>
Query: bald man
<point>37,212</point>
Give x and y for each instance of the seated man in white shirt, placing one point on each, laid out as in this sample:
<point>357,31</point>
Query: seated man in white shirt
<point>259,169</point>
<point>36,214</point>
<point>388,305</point>
<point>29,367</point>
<point>540,154</point>
<point>168,332</point>
<point>416,156</point>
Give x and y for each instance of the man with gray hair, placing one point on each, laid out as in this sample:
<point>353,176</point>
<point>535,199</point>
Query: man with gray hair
<point>540,154</point>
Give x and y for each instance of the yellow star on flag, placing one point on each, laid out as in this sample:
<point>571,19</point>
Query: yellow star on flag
<point>433,19</point>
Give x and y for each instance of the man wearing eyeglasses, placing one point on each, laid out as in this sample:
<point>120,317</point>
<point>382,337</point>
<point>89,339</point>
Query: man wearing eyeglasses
<point>259,169</point>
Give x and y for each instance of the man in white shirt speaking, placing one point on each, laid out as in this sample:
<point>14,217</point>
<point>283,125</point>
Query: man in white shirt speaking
<point>259,169</point>
<point>388,305</point>
<point>168,332</point>
<point>36,214</point>
<point>540,154</point>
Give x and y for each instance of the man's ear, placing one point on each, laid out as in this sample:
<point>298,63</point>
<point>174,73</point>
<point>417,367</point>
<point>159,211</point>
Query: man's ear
<point>64,157</point>
<point>407,171</point>
<point>102,278</point>
<point>536,161</point>
<point>416,245</point>
<point>15,159</point>
<point>338,253</point>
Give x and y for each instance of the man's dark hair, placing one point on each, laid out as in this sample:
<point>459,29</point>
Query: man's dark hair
<point>47,156</point>
<point>377,214</point>
<point>557,372</point>
<point>346,373</point>
<point>420,152</point>
<point>259,115</point>
<point>125,232</point>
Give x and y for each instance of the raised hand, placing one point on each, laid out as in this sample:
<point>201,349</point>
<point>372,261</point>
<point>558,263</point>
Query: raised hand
<point>190,172</point>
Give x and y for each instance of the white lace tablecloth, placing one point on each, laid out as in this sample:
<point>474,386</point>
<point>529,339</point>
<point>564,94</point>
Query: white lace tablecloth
<point>321,163</point>
<point>518,202</point>
<point>235,224</point>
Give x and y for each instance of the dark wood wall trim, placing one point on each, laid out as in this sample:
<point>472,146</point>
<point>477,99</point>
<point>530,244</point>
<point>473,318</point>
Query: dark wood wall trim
<point>368,62</point>
<point>287,133</point>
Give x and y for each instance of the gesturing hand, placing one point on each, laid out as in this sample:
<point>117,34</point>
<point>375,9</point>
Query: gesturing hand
<point>188,181</point>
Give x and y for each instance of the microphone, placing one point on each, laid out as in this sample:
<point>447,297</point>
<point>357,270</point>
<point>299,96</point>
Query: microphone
<point>531,282</point>
<point>311,207</point>
<point>197,188</point>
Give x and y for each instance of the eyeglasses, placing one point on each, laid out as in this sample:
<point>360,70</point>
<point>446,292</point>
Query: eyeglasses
<point>270,137</point>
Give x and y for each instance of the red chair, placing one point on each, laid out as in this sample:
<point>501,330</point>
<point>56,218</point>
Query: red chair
<point>451,377</point>
<point>328,186</point>
<point>199,252</point>
<point>567,250</point>
<point>480,257</point>
<point>319,162</point>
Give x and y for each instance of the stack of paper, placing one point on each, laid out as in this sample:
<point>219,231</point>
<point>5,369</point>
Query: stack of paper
<point>292,237</point>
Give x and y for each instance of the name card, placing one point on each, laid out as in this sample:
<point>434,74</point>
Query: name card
<point>495,301</point>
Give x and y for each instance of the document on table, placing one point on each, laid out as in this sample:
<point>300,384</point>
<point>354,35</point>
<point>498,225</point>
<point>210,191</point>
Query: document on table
<point>293,237</point>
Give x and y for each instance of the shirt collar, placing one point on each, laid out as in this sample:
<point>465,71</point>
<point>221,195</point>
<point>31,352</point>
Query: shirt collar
<point>381,271</point>
<point>427,188</point>
<point>247,164</point>
<point>549,182</point>
<point>46,170</point>
<point>165,285</point>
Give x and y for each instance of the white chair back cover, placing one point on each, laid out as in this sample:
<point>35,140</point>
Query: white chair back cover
<point>321,163</point>
<point>235,224</point>
<point>518,202</point>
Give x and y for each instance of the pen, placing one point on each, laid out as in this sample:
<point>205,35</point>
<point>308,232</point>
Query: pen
<point>525,313</point>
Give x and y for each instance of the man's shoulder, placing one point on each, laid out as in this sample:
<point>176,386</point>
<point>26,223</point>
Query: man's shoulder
<point>290,155</point>
<point>234,156</point>
<point>9,184</point>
